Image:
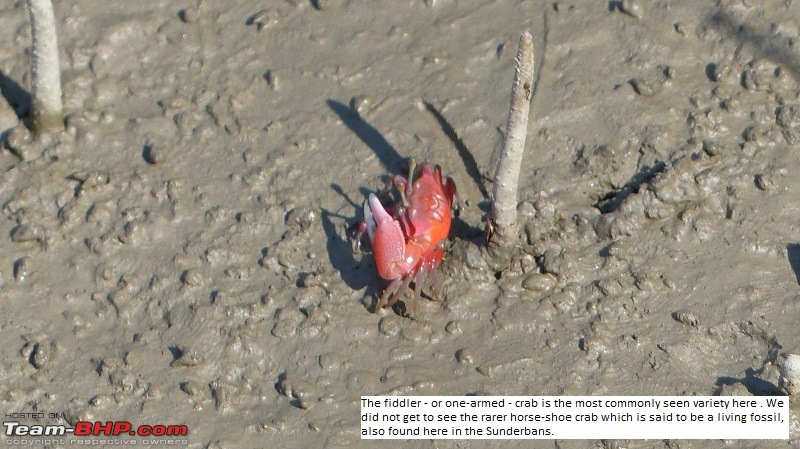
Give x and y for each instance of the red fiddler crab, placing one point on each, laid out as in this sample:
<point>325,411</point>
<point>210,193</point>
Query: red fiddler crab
<point>408,237</point>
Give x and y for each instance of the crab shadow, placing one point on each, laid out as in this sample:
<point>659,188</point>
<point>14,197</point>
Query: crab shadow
<point>17,98</point>
<point>356,274</point>
<point>387,154</point>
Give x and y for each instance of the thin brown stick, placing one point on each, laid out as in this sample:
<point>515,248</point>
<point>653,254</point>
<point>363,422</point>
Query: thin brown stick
<point>47,108</point>
<point>506,179</point>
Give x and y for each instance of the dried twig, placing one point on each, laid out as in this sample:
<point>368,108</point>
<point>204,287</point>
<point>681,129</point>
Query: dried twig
<point>506,179</point>
<point>48,111</point>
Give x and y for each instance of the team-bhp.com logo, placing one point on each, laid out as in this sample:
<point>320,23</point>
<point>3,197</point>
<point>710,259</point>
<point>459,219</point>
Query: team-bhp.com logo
<point>97,428</point>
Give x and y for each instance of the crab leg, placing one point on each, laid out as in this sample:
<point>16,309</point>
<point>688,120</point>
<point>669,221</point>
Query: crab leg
<point>419,281</point>
<point>393,292</point>
<point>436,285</point>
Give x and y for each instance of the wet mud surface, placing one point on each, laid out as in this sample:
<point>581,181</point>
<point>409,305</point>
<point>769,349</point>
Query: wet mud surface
<point>180,253</point>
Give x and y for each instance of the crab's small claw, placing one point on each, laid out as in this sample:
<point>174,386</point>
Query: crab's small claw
<point>368,225</point>
<point>362,229</point>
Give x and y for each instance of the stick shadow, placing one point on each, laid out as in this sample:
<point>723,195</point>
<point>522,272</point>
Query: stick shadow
<point>793,254</point>
<point>466,156</point>
<point>612,200</point>
<point>770,45</point>
<point>751,380</point>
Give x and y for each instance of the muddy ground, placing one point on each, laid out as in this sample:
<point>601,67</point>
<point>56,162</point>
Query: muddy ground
<point>180,253</point>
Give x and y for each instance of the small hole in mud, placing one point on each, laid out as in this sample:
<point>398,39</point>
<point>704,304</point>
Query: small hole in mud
<point>400,308</point>
<point>498,275</point>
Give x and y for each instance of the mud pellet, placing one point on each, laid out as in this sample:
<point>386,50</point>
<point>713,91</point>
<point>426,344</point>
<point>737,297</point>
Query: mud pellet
<point>565,299</point>
<point>719,70</point>
<point>19,142</point>
<point>191,14</point>
<point>540,282</point>
<point>707,179</point>
<point>40,356</point>
<point>192,277</point>
<point>27,233</point>
<point>401,354</point>
<point>453,327</point>
<point>686,317</point>
<point>527,263</point>
<point>390,325</point>
<point>593,344</point>
<point>65,197</point>
<point>80,414</point>
<point>154,154</point>
<point>731,104</point>
<point>273,79</point>
<point>291,384</point>
<point>237,272</point>
<point>301,217</point>
<point>643,87</point>
<point>472,256</point>
<point>133,231</point>
<point>221,394</point>
<point>322,5</point>
<point>486,370</point>
<point>330,361</point>
<point>414,334</point>
<point>464,356</point>
<point>188,357</point>
<point>311,327</point>
<point>632,8</point>
<point>361,104</point>
<point>286,322</point>
<point>711,148</point>
<point>101,401</point>
<point>264,19</point>
<point>192,388</point>
<point>22,269</point>
<point>764,182</point>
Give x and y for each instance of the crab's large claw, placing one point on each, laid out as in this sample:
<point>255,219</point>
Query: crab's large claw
<point>393,257</point>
